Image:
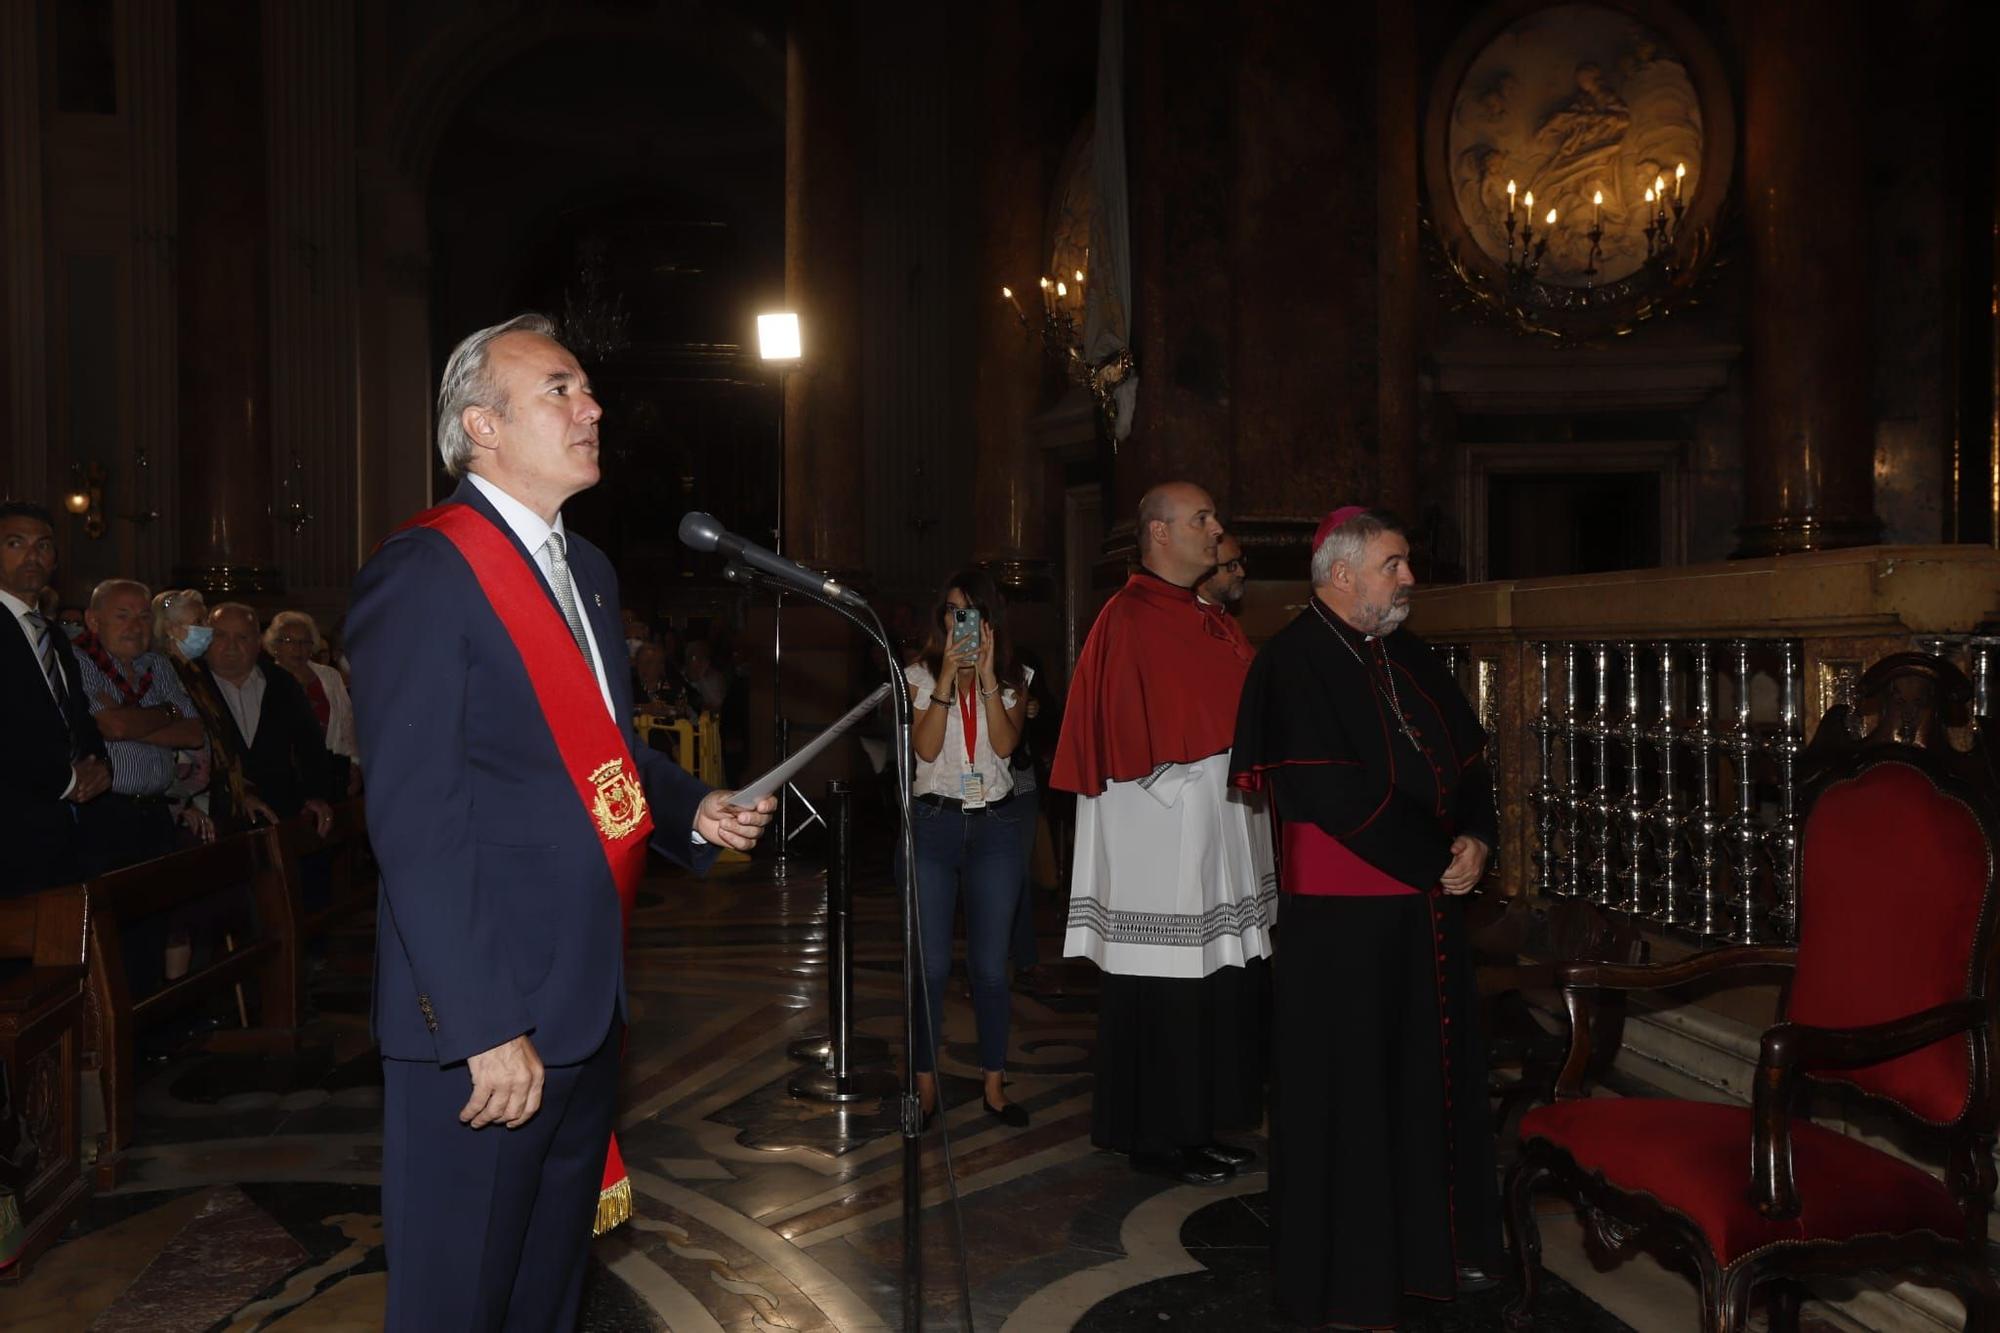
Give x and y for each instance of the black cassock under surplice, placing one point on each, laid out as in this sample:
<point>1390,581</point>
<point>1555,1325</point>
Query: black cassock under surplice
<point>1382,1162</point>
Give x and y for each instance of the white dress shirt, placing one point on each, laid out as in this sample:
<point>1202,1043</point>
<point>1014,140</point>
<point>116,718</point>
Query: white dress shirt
<point>534,535</point>
<point>245,701</point>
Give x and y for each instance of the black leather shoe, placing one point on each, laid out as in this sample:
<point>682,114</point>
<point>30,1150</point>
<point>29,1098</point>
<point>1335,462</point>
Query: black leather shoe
<point>1012,1114</point>
<point>1237,1158</point>
<point>1208,1155</point>
<point>1472,1279</point>
<point>1186,1167</point>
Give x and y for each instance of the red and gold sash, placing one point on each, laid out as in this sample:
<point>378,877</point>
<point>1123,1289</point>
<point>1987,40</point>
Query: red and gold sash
<point>591,744</point>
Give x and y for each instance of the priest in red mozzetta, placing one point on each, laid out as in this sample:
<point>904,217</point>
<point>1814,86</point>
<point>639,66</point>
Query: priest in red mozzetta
<point>511,812</point>
<point>1382,1163</point>
<point>1172,883</point>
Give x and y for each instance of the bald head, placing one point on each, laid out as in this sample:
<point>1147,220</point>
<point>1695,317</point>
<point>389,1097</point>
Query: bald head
<point>232,653</point>
<point>1177,532</point>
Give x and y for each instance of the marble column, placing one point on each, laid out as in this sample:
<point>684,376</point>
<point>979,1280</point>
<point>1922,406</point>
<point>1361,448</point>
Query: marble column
<point>1399,278</point>
<point>311,195</point>
<point>1182,94</point>
<point>1010,520</point>
<point>23,338</point>
<point>1809,447</point>
<point>225,456</point>
<point>1302,229</point>
<point>825,511</point>
<point>150,484</point>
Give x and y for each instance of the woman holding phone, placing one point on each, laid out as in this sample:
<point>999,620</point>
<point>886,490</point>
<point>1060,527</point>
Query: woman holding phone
<point>968,694</point>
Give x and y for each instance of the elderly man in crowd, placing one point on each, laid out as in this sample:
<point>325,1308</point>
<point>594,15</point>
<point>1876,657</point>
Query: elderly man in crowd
<point>55,762</point>
<point>268,720</point>
<point>1382,1158</point>
<point>145,717</point>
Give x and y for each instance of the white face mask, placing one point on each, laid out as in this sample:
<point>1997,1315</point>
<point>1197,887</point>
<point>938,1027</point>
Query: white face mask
<point>632,645</point>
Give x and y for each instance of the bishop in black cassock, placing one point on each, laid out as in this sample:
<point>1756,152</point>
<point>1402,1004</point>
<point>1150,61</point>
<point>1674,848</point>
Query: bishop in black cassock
<point>1382,1167</point>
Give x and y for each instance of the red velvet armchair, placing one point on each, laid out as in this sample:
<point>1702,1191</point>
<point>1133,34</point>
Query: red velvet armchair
<point>1891,994</point>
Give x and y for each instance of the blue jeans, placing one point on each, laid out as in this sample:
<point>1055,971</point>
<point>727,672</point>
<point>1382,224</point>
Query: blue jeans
<point>982,852</point>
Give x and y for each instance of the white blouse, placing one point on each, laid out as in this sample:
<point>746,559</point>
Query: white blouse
<point>941,776</point>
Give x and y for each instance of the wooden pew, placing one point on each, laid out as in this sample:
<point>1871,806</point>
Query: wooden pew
<point>268,957</point>
<point>41,1038</point>
<point>351,864</point>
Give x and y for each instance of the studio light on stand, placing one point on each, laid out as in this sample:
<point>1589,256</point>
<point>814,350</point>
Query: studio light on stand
<point>780,346</point>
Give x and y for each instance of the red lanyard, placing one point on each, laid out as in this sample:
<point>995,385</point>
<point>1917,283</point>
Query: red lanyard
<point>968,712</point>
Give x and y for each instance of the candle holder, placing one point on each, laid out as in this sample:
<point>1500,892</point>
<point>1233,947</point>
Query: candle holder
<point>1522,267</point>
<point>1061,334</point>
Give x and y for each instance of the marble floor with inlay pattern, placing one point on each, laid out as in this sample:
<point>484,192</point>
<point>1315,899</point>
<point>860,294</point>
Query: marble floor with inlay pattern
<point>252,1201</point>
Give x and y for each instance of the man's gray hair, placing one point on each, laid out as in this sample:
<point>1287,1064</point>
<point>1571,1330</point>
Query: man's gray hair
<point>110,588</point>
<point>468,382</point>
<point>1344,545</point>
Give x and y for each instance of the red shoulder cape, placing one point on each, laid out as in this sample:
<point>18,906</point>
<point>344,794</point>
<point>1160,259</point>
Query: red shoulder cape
<point>1157,683</point>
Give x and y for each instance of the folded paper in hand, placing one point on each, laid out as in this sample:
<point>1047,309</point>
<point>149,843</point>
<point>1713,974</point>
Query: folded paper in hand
<point>766,783</point>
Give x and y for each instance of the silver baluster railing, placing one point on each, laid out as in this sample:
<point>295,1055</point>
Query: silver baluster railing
<point>1745,836</point>
<point>1632,815</point>
<point>1573,797</point>
<point>1666,813</point>
<point>1546,793</point>
<point>1603,802</point>
<point>1782,840</point>
<point>1705,825</point>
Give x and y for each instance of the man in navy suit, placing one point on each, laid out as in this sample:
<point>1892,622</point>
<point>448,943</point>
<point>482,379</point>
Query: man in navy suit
<point>499,991</point>
<point>55,762</point>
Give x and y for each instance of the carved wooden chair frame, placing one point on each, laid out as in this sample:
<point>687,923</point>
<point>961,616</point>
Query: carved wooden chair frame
<point>1916,696</point>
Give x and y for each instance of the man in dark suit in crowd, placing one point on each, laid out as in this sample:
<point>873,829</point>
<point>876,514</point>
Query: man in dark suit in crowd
<point>510,809</point>
<point>285,759</point>
<point>54,758</point>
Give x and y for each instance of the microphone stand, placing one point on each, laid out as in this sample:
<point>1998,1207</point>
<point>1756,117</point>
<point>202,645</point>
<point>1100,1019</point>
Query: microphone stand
<point>910,1105</point>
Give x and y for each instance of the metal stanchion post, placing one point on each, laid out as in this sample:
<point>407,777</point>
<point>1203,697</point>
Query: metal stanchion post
<point>839,1081</point>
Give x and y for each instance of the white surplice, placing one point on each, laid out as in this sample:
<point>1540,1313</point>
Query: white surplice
<point>1173,875</point>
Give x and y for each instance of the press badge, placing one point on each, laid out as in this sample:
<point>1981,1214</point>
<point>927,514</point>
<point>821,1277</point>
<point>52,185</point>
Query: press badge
<point>971,791</point>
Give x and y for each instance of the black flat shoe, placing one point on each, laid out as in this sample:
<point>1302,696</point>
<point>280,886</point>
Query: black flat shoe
<point>1211,1158</point>
<point>1185,1167</point>
<point>1237,1158</point>
<point>1011,1114</point>
<point>1472,1279</point>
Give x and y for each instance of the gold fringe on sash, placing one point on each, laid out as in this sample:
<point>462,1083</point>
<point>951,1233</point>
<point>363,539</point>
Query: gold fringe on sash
<point>614,1207</point>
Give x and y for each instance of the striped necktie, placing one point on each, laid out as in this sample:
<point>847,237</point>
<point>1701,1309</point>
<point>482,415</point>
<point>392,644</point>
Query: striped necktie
<point>45,651</point>
<point>566,595</point>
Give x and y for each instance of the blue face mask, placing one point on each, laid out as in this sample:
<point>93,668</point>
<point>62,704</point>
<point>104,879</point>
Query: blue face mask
<point>72,631</point>
<point>196,641</point>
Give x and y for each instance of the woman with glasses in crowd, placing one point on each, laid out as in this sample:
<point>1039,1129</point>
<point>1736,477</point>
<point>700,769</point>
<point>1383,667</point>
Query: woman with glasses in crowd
<point>968,693</point>
<point>292,639</point>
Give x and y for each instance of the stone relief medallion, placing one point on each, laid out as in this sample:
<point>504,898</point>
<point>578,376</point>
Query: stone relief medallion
<point>1586,107</point>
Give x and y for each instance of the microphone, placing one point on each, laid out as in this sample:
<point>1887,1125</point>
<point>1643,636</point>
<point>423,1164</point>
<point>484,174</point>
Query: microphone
<point>704,533</point>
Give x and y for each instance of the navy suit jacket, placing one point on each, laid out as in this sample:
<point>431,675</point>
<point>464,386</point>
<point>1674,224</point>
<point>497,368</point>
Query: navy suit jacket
<point>497,914</point>
<point>38,829</point>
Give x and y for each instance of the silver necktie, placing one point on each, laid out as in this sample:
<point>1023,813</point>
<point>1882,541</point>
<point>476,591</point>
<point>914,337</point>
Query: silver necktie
<point>566,596</point>
<point>45,650</point>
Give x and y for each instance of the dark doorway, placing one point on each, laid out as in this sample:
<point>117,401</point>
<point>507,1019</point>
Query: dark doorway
<point>1544,524</point>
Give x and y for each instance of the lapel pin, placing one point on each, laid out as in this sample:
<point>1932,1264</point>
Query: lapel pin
<point>597,597</point>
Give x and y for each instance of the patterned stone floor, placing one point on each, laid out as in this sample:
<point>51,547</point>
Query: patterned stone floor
<point>252,1201</point>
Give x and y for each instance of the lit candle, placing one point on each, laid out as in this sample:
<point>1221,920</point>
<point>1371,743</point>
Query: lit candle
<point>1510,198</point>
<point>1079,277</point>
<point>1552,217</point>
<point>1062,290</point>
<point>1008,292</point>
<point>1649,196</point>
<point>1597,201</point>
<point>1048,293</point>
<point>1660,188</point>
<point>1680,174</point>
<point>1528,202</point>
